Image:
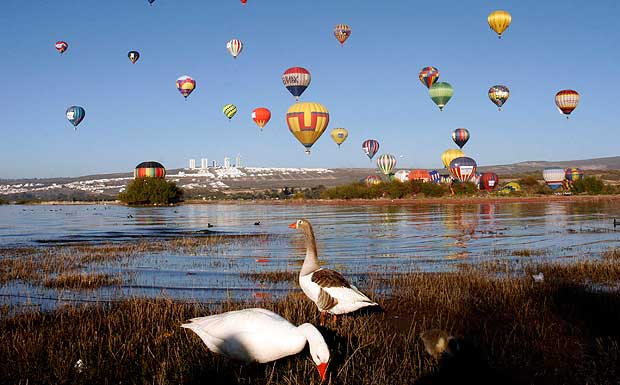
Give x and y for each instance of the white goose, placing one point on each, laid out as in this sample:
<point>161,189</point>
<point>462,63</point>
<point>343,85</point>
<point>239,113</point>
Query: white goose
<point>328,289</point>
<point>259,335</point>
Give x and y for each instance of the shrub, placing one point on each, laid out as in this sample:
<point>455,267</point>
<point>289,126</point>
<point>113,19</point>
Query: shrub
<point>464,188</point>
<point>529,181</point>
<point>3,201</point>
<point>588,185</point>
<point>151,191</point>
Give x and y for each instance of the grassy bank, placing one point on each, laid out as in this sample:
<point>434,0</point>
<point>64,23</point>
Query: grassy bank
<point>511,329</point>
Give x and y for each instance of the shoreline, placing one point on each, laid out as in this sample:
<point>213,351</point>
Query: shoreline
<point>357,202</point>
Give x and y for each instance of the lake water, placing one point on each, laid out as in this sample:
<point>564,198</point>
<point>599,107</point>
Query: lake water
<point>353,239</point>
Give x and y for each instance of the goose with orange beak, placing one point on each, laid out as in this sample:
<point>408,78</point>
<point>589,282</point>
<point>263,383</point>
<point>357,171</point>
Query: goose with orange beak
<point>328,289</point>
<point>259,335</point>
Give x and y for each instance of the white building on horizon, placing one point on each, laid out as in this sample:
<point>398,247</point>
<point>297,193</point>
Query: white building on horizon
<point>192,164</point>
<point>204,163</point>
<point>238,161</point>
<point>226,162</point>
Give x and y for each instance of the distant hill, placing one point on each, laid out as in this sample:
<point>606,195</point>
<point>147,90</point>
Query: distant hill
<point>599,164</point>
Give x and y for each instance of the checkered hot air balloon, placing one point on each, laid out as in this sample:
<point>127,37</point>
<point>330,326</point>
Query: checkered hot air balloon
<point>61,46</point>
<point>463,168</point>
<point>370,148</point>
<point>460,136</point>
<point>296,80</point>
<point>567,101</point>
<point>229,111</point>
<point>307,122</point>
<point>234,46</point>
<point>428,76</point>
<point>386,163</point>
<point>554,177</point>
<point>342,32</point>
<point>499,95</point>
<point>185,85</point>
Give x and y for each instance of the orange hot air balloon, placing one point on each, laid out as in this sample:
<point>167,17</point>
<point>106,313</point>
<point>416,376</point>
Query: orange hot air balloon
<point>567,101</point>
<point>342,33</point>
<point>261,116</point>
<point>307,122</point>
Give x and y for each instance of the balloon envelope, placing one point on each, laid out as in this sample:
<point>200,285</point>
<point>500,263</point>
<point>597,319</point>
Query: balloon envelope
<point>371,180</point>
<point>460,136</point>
<point>386,163</point>
<point>567,101</point>
<point>307,122</point>
<point>185,85</point>
<point>261,116</point>
<point>448,155</point>
<point>234,46</point>
<point>339,135</point>
<point>402,175</point>
<point>149,170</point>
<point>133,56</point>
<point>428,76</point>
<point>229,110</point>
<point>499,21</point>
<point>61,46</point>
<point>441,93</point>
<point>554,177</point>
<point>342,32</point>
<point>573,174</point>
<point>463,168</point>
<point>296,80</point>
<point>419,174</point>
<point>510,187</point>
<point>435,176</point>
<point>75,114</point>
<point>489,180</point>
<point>499,95</point>
<point>370,147</point>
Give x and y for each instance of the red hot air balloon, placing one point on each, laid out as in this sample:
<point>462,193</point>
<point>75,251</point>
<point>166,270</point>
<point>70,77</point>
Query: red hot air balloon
<point>489,180</point>
<point>61,46</point>
<point>244,1</point>
<point>419,174</point>
<point>261,116</point>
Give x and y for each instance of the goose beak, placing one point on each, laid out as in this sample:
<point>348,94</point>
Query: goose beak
<point>322,368</point>
<point>293,225</point>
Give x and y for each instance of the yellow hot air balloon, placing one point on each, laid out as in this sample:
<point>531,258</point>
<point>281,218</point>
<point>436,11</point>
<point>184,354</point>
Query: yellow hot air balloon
<point>499,21</point>
<point>307,121</point>
<point>339,135</point>
<point>449,155</point>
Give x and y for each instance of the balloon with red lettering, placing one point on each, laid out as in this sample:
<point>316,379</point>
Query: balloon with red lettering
<point>296,80</point>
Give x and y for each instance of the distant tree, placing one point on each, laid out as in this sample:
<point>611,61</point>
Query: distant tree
<point>529,181</point>
<point>465,188</point>
<point>151,191</point>
<point>3,201</point>
<point>588,185</point>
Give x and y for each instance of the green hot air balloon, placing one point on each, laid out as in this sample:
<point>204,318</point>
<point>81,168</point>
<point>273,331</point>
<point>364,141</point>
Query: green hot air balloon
<point>441,93</point>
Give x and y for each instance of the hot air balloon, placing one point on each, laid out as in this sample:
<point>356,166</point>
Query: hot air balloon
<point>498,95</point>
<point>554,177</point>
<point>235,47</point>
<point>448,155</point>
<point>386,163</point>
<point>339,135</point>
<point>428,76</point>
<point>572,175</point>
<point>402,175</point>
<point>186,85</point>
<point>499,21</point>
<point>463,168</point>
<point>75,114</point>
<point>435,176</point>
<point>489,180</point>
<point>261,116</point>
<point>510,187</point>
<point>370,148</point>
<point>307,121</point>
<point>61,46</point>
<point>419,174</point>
<point>567,101</point>
<point>372,180</point>
<point>445,178</point>
<point>149,170</point>
<point>151,1</point>
<point>460,136</point>
<point>244,1</point>
<point>441,93</point>
<point>296,80</point>
<point>342,32</point>
<point>133,56</point>
<point>229,110</point>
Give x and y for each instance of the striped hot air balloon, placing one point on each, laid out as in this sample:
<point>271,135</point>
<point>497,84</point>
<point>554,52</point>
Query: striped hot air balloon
<point>61,46</point>
<point>185,85</point>
<point>386,163</point>
<point>499,95</point>
<point>567,101</point>
<point>296,80</point>
<point>75,115</point>
<point>460,136</point>
<point>419,174</point>
<point>463,168</point>
<point>261,116</point>
<point>234,46</point>
<point>307,122</point>
<point>339,135</point>
<point>435,176</point>
<point>342,32</point>
<point>554,177</point>
<point>229,110</point>
<point>448,155</point>
<point>370,148</point>
<point>489,180</point>
<point>499,21</point>
<point>372,180</point>
<point>441,93</point>
<point>149,170</point>
<point>572,175</point>
<point>428,76</point>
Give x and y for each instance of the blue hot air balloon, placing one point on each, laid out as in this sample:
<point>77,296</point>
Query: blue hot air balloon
<point>75,114</point>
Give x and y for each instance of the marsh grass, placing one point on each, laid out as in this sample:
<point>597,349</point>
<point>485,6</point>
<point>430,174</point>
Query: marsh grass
<point>82,281</point>
<point>272,276</point>
<point>555,332</point>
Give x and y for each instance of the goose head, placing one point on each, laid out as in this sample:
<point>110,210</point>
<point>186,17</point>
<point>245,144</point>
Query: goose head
<point>301,224</point>
<point>319,352</point>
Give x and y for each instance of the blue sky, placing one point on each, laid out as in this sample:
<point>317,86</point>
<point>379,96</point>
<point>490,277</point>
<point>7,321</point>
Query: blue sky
<point>370,86</point>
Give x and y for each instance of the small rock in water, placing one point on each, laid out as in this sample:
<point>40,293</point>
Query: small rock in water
<point>540,277</point>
